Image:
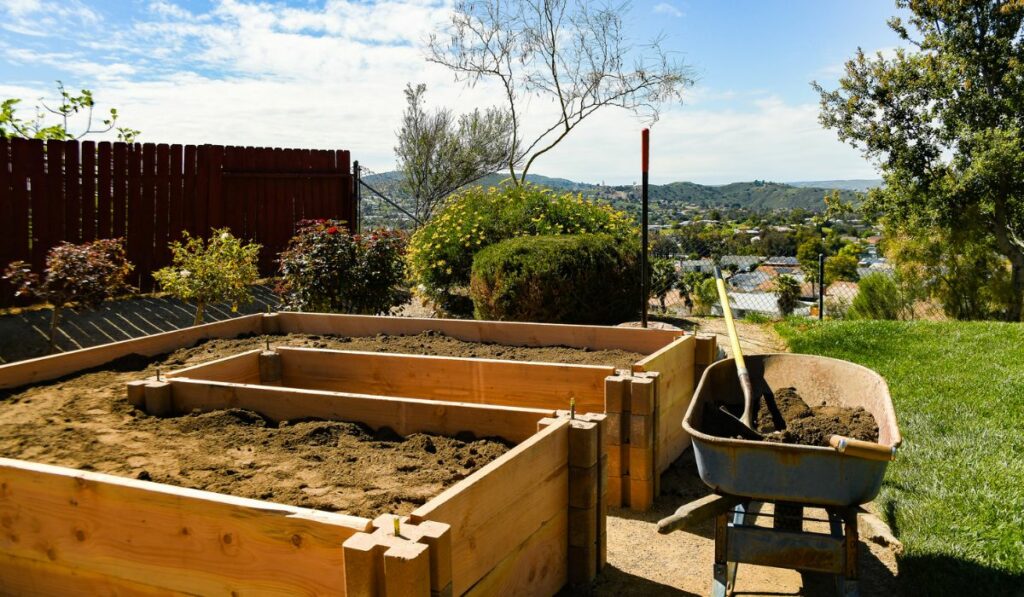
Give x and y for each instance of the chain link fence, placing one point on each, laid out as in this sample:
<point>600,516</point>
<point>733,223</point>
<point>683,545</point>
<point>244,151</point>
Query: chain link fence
<point>759,288</point>
<point>383,203</point>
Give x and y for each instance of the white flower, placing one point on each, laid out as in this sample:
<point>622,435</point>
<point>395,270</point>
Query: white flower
<point>185,273</point>
<point>225,235</point>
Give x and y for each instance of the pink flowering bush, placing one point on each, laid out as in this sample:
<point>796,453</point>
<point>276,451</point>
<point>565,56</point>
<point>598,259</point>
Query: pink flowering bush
<point>327,269</point>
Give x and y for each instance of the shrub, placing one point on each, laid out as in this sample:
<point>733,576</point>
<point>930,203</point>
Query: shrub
<point>787,290</point>
<point>203,272</point>
<point>584,278</point>
<point>878,297</point>
<point>441,252</point>
<point>327,269</point>
<point>84,275</point>
<point>705,296</point>
<point>664,279</point>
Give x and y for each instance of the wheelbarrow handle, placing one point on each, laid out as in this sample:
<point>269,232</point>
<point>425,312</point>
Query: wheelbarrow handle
<point>861,448</point>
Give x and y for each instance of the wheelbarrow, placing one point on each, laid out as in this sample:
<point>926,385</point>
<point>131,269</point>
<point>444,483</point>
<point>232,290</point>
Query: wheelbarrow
<point>746,474</point>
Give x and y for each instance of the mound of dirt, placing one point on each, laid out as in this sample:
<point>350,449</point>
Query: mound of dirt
<point>812,425</point>
<point>785,417</point>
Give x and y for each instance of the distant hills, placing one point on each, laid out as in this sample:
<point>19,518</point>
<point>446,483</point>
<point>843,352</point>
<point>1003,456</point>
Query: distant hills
<point>861,185</point>
<point>669,202</point>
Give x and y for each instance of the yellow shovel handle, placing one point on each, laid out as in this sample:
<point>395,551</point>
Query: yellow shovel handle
<point>734,339</point>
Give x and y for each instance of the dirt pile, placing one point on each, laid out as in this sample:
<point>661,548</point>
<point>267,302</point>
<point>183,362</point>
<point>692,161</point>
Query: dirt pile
<point>800,423</point>
<point>783,416</point>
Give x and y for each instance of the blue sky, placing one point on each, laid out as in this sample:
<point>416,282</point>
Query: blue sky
<point>330,73</point>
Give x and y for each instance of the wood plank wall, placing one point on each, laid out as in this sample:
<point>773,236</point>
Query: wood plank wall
<point>149,193</point>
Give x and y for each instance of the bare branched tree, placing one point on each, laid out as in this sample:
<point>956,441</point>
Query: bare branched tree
<point>438,152</point>
<point>572,51</point>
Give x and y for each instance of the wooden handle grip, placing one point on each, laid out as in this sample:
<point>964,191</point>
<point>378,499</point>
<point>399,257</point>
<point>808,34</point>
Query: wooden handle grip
<point>861,449</point>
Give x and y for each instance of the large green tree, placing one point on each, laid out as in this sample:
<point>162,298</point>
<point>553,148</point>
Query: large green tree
<point>944,121</point>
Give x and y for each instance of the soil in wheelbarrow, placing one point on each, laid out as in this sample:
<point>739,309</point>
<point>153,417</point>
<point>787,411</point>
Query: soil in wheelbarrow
<point>789,419</point>
<point>84,421</point>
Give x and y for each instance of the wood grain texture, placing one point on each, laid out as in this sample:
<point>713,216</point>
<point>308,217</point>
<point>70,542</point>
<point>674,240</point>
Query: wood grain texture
<point>53,366</point>
<point>498,508</point>
<point>404,415</point>
<point>239,368</point>
<point>149,534</point>
<point>643,341</point>
<point>33,578</point>
<point>488,381</point>
<point>675,364</point>
<point>537,566</point>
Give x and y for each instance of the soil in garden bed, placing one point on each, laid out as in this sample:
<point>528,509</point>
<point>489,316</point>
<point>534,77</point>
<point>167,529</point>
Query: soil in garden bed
<point>84,421</point>
<point>791,420</point>
<point>436,343</point>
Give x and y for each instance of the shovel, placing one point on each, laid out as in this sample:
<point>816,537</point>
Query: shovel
<point>744,425</point>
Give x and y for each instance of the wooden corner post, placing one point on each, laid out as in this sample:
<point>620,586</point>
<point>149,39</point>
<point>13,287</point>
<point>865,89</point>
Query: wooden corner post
<point>588,462</point>
<point>399,558</point>
<point>642,472</point>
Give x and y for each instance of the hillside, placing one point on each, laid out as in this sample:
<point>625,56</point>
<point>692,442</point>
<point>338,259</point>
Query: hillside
<point>861,185</point>
<point>670,202</point>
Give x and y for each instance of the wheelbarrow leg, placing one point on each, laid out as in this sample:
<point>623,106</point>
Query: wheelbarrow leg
<point>724,579</point>
<point>843,523</point>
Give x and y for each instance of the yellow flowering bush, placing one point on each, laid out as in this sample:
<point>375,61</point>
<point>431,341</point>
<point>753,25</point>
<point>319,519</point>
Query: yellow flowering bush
<point>441,253</point>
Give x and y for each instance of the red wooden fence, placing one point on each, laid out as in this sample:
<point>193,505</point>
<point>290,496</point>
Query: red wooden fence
<point>149,193</point>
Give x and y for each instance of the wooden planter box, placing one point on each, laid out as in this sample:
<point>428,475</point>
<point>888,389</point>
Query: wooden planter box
<point>530,521</point>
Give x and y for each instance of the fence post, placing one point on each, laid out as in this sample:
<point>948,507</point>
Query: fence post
<point>821,286</point>
<point>357,196</point>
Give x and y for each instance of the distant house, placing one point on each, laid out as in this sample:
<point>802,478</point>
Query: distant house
<point>774,271</point>
<point>749,282</point>
<point>783,261</point>
<point>704,266</point>
<point>842,289</point>
<point>741,263</point>
<point>765,303</point>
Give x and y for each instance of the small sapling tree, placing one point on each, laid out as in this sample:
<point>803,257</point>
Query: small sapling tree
<point>664,279</point>
<point>788,291</point>
<point>81,275</point>
<point>221,269</point>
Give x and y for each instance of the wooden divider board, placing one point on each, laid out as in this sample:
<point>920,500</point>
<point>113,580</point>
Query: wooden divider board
<point>73,530</point>
<point>644,341</point>
<point>240,368</point>
<point>57,365</point>
<point>675,363</point>
<point>488,381</point>
<point>404,415</point>
<point>514,506</point>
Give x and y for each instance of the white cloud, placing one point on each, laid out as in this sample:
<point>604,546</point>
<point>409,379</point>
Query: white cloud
<point>331,74</point>
<point>45,17</point>
<point>667,9</point>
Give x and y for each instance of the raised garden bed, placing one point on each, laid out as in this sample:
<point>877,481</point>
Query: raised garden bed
<point>525,520</point>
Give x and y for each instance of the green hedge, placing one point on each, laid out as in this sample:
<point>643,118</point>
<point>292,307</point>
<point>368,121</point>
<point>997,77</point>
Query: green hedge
<point>583,278</point>
<point>441,252</point>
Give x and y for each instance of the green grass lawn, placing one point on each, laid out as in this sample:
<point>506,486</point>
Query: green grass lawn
<point>955,493</point>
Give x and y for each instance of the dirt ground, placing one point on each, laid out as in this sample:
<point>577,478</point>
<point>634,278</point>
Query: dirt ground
<point>85,422</point>
<point>644,563</point>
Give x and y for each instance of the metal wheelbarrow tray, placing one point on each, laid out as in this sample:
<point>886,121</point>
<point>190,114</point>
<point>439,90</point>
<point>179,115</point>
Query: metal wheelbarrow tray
<point>788,472</point>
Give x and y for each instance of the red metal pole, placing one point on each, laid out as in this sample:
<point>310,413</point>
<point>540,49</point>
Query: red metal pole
<point>645,142</point>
